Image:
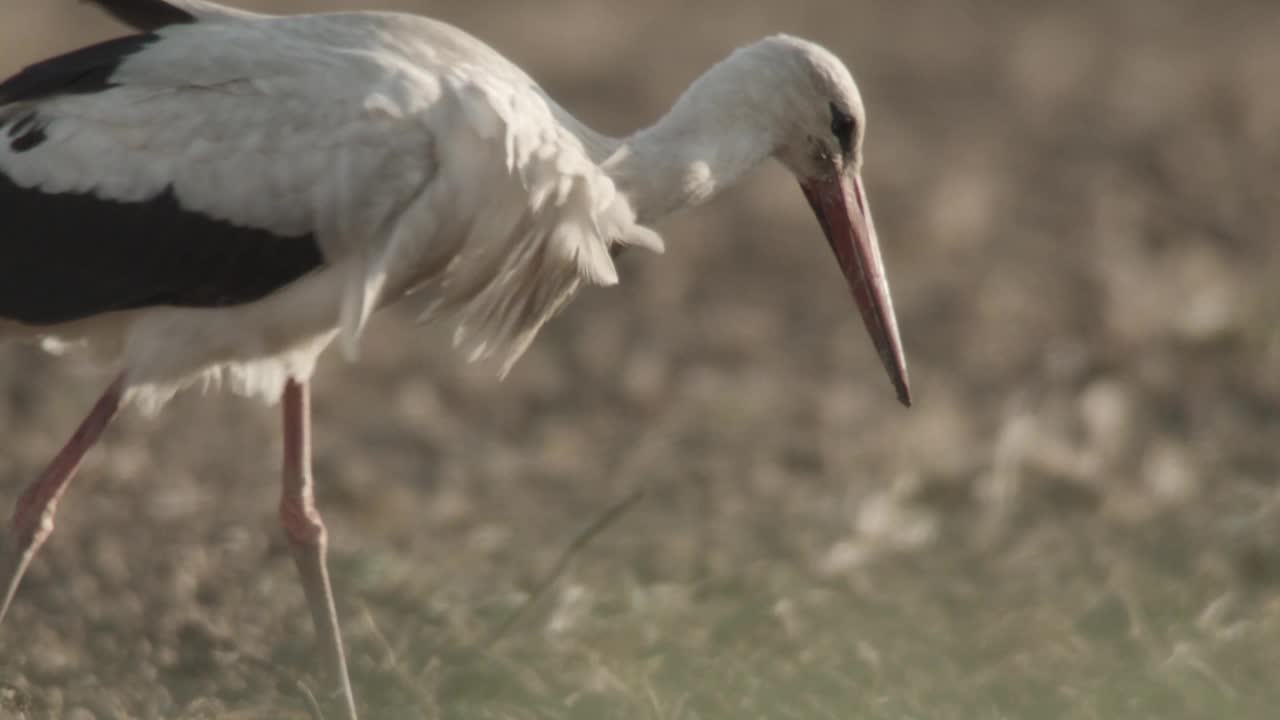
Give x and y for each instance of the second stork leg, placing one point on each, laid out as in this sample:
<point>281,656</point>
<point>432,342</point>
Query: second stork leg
<point>306,532</point>
<point>33,517</point>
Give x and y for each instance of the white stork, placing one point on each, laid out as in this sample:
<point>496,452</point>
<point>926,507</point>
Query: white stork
<point>220,196</point>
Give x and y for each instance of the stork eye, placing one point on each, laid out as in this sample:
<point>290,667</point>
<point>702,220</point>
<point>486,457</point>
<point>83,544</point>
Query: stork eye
<point>842,125</point>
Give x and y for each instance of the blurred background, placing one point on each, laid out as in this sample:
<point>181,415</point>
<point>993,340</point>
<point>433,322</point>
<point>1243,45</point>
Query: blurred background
<point>1079,206</point>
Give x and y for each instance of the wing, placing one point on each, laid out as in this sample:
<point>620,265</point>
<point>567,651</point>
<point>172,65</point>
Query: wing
<point>223,160</point>
<point>192,187</point>
<point>58,266</point>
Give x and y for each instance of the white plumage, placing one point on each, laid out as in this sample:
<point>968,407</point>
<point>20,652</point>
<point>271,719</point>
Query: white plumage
<point>421,161</point>
<point>220,197</point>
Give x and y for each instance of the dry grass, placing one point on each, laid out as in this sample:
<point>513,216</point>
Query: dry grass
<point>1079,519</point>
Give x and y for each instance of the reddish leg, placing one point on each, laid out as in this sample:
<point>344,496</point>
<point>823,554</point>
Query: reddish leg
<point>306,533</point>
<point>33,515</point>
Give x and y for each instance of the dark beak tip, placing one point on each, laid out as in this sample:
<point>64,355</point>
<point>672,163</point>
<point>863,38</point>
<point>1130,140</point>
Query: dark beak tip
<point>895,365</point>
<point>904,394</point>
<point>901,385</point>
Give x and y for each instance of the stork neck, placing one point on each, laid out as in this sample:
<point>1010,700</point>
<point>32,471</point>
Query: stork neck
<point>709,140</point>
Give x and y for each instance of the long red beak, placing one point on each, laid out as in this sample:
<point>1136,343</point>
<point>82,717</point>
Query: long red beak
<point>842,210</point>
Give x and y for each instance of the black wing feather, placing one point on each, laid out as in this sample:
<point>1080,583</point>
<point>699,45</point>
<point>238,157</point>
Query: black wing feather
<point>66,257</point>
<point>145,15</point>
<point>87,70</point>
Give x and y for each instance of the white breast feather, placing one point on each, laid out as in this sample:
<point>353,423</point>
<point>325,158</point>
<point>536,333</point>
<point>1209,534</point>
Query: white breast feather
<point>535,218</point>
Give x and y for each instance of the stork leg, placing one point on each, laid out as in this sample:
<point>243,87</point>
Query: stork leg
<point>33,515</point>
<point>306,532</point>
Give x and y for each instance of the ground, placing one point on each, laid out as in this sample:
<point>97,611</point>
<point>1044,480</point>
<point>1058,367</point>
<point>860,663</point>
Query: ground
<point>1079,519</point>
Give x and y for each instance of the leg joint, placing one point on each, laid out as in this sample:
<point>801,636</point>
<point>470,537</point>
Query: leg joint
<point>302,522</point>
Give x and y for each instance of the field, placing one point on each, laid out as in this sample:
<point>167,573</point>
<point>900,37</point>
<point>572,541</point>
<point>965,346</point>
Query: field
<point>1080,518</point>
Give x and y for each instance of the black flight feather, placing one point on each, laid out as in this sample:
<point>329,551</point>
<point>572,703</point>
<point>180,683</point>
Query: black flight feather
<point>144,15</point>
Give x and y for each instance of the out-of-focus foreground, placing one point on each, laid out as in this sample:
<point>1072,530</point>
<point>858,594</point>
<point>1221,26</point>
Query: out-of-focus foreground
<point>1080,518</point>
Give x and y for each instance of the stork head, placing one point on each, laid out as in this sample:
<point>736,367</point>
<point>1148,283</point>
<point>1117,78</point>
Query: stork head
<point>819,126</point>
